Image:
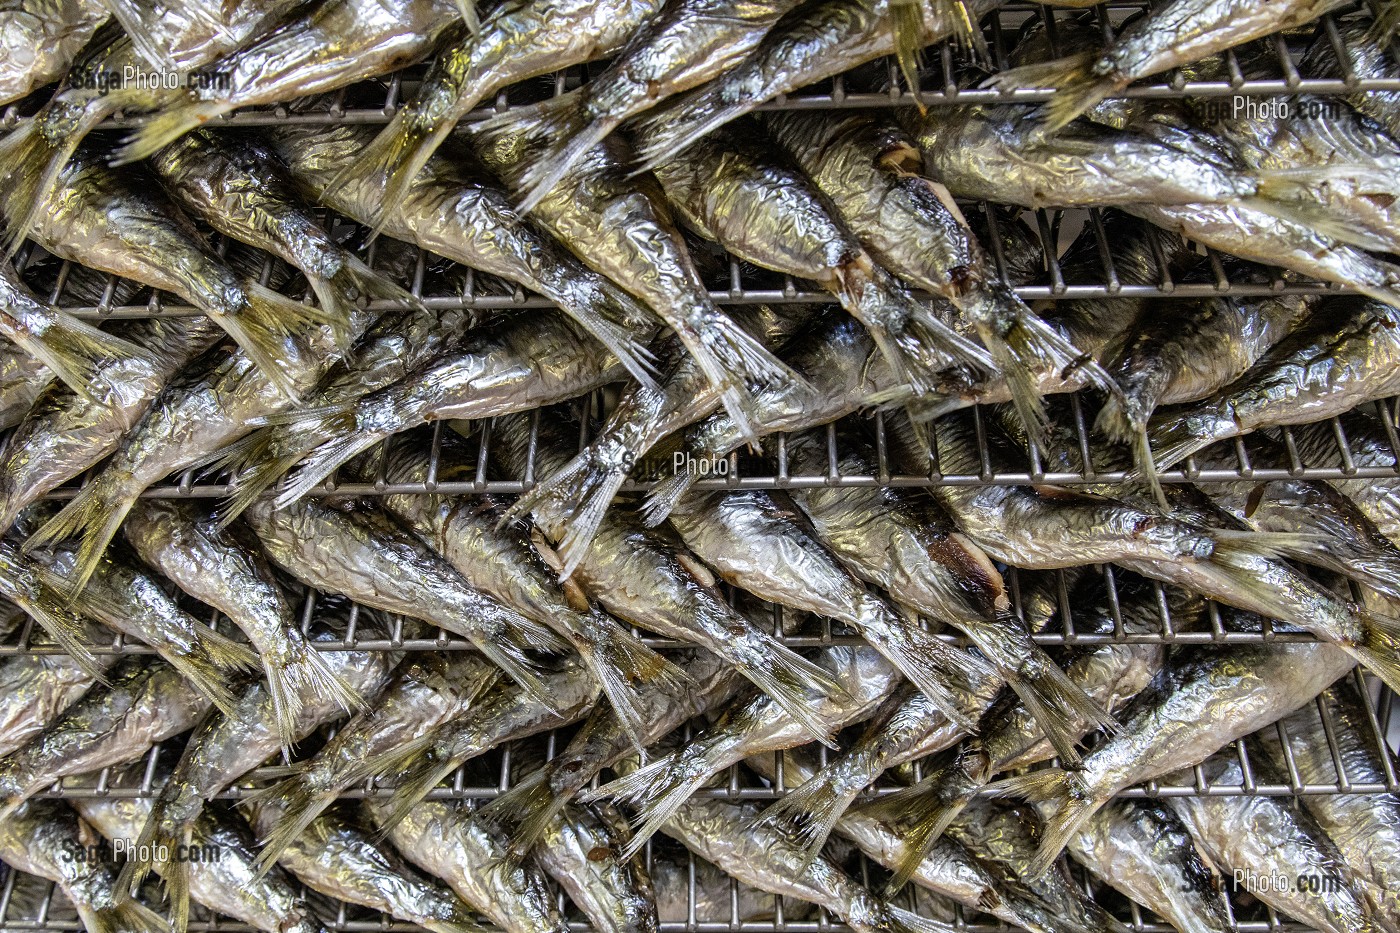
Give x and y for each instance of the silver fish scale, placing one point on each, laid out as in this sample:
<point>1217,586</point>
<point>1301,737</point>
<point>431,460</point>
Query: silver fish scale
<point>28,904</point>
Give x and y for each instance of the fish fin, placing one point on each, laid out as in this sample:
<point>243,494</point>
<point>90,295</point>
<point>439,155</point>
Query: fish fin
<point>933,666</point>
<point>1379,650</point>
<point>634,356</point>
<point>298,803</point>
<point>513,652</point>
<point>470,16</point>
<point>906,921</point>
<point>55,616</point>
<point>527,810</point>
<point>427,769</point>
<point>77,352</point>
<point>657,790</point>
<point>38,158</point>
<point>1382,30</point>
<point>1022,345</point>
<point>305,673</point>
<point>907,23</point>
<point>1077,88</point>
<point>209,664</point>
<point>1178,435</point>
<point>560,118</point>
<point>352,286</point>
<point>661,137</point>
<point>261,465</point>
<point>126,917</point>
<point>393,160</point>
<point>1317,217</point>
<point>1072,806</point>
<point>147,44</point>
<point>94,515</point>
<point>590,485</point>
<point>347,441</point>
<point>790,679</point>
<point>627,670</point>
<point>1286,545</point>
<point>927,808</point>
<point>1123,419</point>
<point>262,326</point>
<point>808,813</point>
<point>733,361</point>
<point>662,498</point>
<point>163,828</point>
<point>162,129</point>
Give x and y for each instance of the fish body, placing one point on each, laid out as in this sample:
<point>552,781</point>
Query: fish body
<point>41,38</point>
<point>321,47</point>
<point>582,851</point>
<point>22,381</point>
<point>443,839</point>
<point>36,688</point>
<point>65,433</point>
<point>1267,836</point>
<point>184,37</point>
<point>144,703</point>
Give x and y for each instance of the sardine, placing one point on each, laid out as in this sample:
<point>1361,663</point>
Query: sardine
<point>22,380</point>
<point>41,838</point>
<point>221,571</point>
<point>1179,33</point>
<point>587,484</point>
<point>517,40</point>
<point>1010,737</point>
<point>1199,704</point>
<point>181,37</point>
<point>119,222</point>
<point>453,210</point>
<point>1141,848</point>
<point>908,546</point>
<point>642,577</point>
<point>65,433</point>
<point>622,229</point>
<point>424,691</point>
<point>870,171</point>
<point>126,598</point>
<point>237,186</point>
<point>322,47</point>
<point>1362,826</point>
<point>228,882</point>
<point>1268,838</point>
<point>1346,353</point>
<point>36,687</point>
<point>42,37</point>
<point>582,851</point>
<point>499,559</point>
<point>23,583</point>
<point>684,45</point>
<point>144,702</point>
<point>224,748</point>
<point>814,42</point>
<point>446,840</point>
<point>732,190</point>
<point>340,856</point>
<point>91,362</point>
<point>1368,443</point>
<point>723,833</point>
<point>752,542</point>
<point>1364,57</point>
<point>353,549</point>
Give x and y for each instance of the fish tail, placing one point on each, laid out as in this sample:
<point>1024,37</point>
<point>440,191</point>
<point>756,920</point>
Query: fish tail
<point>626,669</point>
<point>261,326</point>
<point>94,515</point>
<point>392,161</point>
<point>1123,420</point>
<point>211,664</point>
<point>77,352</point>
<point>1379,650</point>
<point>1077,88</point>
<point>809,813</point>
<point>662,499</point>
<point>37,159</point>
<point>164,128</point>
<point>1382,29</point>
<point>527,810</point>
<point>149,46</point>
<point>347,440</point>
<point>1023,347</point>
<point>1307,213</point>
<point>657,790</point>
<point>170,824</point>
<point>634,356</point>
<point>298,802</point>
<point>907,23</point>
<point>256,462</point>
<point>304,673</point>
<point>1179,435</point>
<point>49,607</point>
<point>932,665</point>
<point>352,286</point>
<point>662,137</point>
<point>126,917</point>
<point>588,482</point>
<point>515,649</point>
<point>470,16</point>
<point>428,767</point>
<point>927,808</point>
<point>791,680</point>
<point>733,361</point>
<point>1072,806</point>
<point>561,118</point>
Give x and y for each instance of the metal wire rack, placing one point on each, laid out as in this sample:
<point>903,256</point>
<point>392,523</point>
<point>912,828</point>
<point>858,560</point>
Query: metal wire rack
<point>28,904</point>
